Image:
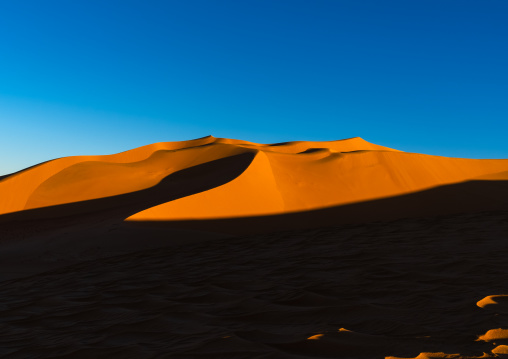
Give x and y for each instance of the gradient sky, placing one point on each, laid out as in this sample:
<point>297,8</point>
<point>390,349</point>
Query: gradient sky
<point>99,77</point>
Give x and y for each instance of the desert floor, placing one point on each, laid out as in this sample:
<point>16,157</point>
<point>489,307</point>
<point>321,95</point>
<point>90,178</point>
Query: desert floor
<point>372,290</point>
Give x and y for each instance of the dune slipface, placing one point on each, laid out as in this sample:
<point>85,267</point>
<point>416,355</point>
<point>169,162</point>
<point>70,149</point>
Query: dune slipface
<point>220,248</point>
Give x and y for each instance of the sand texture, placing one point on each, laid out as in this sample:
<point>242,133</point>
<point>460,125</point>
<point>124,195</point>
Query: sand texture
<point>363,291</point>
<point>218,248</point>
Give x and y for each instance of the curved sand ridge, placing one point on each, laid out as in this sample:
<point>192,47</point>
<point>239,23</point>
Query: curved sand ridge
<point>282,178</point>
<point>78,178</point>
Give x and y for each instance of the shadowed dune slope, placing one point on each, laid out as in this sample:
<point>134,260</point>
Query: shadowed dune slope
<point>181,183</point>
<point>414,288</point>
<point>282,178</point>
<point>73,179</point>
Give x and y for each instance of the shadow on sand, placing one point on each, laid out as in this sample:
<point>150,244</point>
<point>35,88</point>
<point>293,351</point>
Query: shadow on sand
<point>464,197</point>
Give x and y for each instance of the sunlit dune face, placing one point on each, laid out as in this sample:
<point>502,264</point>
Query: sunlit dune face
<point>280,183</point>
<point>282,178</point>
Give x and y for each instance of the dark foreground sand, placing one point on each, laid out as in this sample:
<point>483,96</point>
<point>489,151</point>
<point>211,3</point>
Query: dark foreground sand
<point>360,291</point>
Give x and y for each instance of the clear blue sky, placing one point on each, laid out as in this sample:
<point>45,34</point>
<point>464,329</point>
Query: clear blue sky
<point>99,77</point>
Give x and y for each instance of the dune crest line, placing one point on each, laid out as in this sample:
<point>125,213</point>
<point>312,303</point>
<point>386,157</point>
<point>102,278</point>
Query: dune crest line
<point>283,178</point>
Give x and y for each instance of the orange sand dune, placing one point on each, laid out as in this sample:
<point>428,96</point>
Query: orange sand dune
<point>242,250</point>
<point>279,183</point>
<point>282,178</point>
<point>72,179</point>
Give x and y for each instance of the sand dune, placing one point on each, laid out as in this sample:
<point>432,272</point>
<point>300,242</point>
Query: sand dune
<point>280,183</point>
<point>282,178</point>
<point>221,248</point>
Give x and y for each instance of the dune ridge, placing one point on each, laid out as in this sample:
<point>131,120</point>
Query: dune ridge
<point>318,181</point>
<point>283,177</point>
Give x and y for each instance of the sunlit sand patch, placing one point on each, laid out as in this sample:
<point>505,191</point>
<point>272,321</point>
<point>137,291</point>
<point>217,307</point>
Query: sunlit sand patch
<point>495,303</point>
<point>501,351</point>
<point>441,355</point>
